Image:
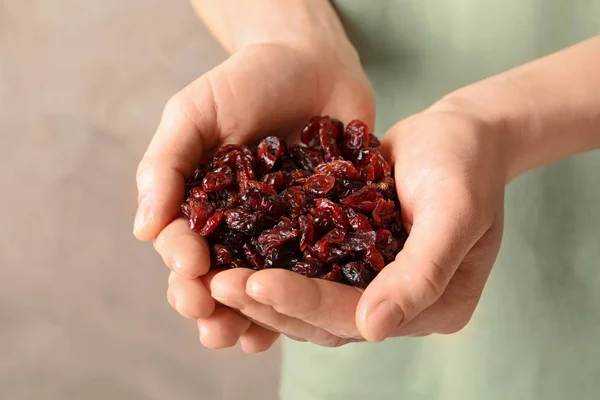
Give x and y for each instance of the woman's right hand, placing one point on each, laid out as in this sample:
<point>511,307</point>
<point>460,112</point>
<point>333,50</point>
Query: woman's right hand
<point>261,90</point>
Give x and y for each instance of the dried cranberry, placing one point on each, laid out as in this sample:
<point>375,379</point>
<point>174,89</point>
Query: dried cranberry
<point>356,137</point>
<point>269,151</point>
<point>221,255</point>
<point>339,169</point>
<point>387,245</point>
<point>357,221</point>
<point>385,213</point>
<point>358,274</point>
<point>198,210</point>
<point>335,274</point>
<point>212,223</point>
<point>252,255</point>
<point>282,232</point>
<point>319,184</point>
<point>359,241</point>
<point>218,179</point>
<point>325,208</point>
<point>277,180</point>
<point>307,230</point>
<point>374,258</point>
<point>310,268</point>
<point>371,159</point>
<point>243,221</point>
<point>328,135</point>
<point>364,199</point>
<point>305,157</point>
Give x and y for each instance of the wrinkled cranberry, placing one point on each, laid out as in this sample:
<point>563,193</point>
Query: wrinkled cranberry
<point>319,184</point>
<point>307,230</point>
<point>282,232</point>
<point>310,268</point>
<point>270,149</point>
<point>335,274</point>
<point>358,274</point>
<point>221,255</point>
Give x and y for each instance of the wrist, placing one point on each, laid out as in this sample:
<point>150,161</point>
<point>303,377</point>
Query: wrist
<point>303,24</point>
<point>505,112</point>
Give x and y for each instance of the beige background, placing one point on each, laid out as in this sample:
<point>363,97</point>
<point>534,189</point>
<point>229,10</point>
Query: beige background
<point>83,313</point>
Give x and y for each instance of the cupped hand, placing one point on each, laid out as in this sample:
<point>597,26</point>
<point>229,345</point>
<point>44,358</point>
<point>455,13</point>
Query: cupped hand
<point>450,171</point>
<point>261,90</point>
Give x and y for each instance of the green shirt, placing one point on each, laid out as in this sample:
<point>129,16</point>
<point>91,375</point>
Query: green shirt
<point>536,332</point>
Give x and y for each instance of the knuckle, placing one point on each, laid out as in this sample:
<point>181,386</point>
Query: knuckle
<point>176,107</point>
<point>433,282</point>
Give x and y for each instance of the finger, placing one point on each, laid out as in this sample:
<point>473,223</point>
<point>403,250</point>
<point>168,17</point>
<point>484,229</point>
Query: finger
<point>189,297</point>
<point>182,250</point>
<point>229,288</point>
<point>324,304</point>
<point>223,328</point>
<point>187,129</point>
<point>258,339</point>
<point>439,240</point>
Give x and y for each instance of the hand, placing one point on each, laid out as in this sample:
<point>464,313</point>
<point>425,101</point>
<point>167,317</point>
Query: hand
<point>450,171</point>
<point>261,90</point>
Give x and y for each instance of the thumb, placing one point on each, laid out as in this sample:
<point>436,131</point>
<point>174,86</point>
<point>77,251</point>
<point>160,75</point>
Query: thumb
<point>439,240</point>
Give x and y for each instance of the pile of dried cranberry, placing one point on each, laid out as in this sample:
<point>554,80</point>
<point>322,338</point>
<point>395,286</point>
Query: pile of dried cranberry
<point>328,209</point>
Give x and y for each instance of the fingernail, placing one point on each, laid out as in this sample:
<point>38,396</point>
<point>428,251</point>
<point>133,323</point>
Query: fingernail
<point>143,215</point>
<point>382,320</point>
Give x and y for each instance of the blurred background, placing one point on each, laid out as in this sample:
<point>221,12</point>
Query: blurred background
<point>83,311</point>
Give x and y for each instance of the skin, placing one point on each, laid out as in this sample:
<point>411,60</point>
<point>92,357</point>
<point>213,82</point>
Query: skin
<point>452,163</point>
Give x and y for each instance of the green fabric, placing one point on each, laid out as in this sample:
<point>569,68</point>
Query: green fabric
<point>536,332</point>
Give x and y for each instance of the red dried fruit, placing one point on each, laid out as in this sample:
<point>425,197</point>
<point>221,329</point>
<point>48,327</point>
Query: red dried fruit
<point>277,180</point>
<point>280,257</point>
<point>269,151</point>
<point>328,135</point>
<point>387,245</point>
<point>221,255</point>
<point>329,210</point>
<point>357,221</point>
<point>252,255</point>
<point>339,169</point>
<point>311,130</point>
<point>262,187</point>
<point>372,158</point>
<point>238,263</point>
<point>212,223</point>
<point>310,267</point>
<point>296,200</point>
<point>358,274</point>
<point>356,137</point>
<point>385,213</point>
<point>305,157</point>
<point>374,258</point>
<point>325,208</point>
<point>364,199</point>
<point>335,274</point>
<point>282,232</point>
<point>266,202</point>
<point>319,184</point>
<point>300,176</point>
<point>218,179</point>
<point>243,221</point>
<point>327,248</point>
<point>358,241</point>
<point>307,230</point>
<point>198,210</point>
